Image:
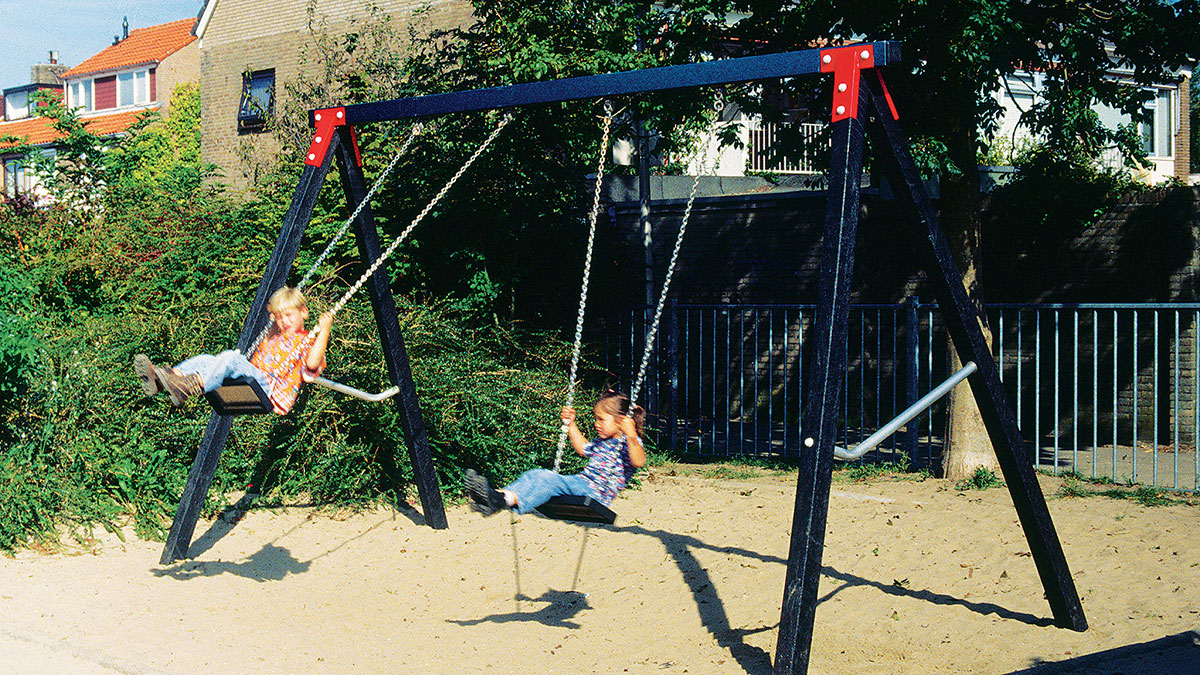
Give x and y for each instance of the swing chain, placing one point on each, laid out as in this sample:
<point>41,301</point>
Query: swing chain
<point>703,168</point>
<point>429,207</point>
<point>587,271</point>
<point>417,128</point>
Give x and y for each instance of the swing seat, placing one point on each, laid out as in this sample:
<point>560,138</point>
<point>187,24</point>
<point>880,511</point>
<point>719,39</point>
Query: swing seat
<point>577,508</point>
<point>239,396</point>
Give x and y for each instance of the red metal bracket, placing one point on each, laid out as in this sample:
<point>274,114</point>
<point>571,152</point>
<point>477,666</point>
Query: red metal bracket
<point>327,121</point>
<point>887,95</point>
<point>846,64</point>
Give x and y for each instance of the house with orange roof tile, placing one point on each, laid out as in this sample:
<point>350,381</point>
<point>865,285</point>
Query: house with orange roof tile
<point>109,91</point>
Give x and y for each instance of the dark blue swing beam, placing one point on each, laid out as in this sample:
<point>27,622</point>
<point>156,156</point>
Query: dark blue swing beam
<point>861,105</point>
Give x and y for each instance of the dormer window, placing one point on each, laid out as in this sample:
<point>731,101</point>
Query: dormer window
<point>132,88</point>
<point>16,105</point>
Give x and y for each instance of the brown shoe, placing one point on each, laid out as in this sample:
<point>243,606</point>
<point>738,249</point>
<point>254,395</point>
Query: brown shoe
<point>180,387</point>
<point>145,373</point>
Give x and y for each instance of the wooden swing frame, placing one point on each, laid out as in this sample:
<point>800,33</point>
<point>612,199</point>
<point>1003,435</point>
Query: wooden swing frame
<point>861,105</point>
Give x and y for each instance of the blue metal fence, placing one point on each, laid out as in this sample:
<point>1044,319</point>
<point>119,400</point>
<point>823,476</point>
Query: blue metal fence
<point>1105,390</point>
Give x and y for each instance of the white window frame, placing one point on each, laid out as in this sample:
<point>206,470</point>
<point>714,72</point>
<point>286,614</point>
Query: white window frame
<point>1159,134</point>
<point>133,88</point>
<point>81,95</point>
<point>16,177</point>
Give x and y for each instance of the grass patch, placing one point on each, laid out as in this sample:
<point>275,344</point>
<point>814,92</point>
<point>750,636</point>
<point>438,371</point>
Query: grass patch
<point>730,472</point>
<point>981,479</point>
<point>1146,496</point>
<point>900,468</point>
<point>1076,486</point>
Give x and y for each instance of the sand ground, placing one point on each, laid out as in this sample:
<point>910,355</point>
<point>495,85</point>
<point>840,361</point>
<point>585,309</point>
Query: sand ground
<point>919,578</point>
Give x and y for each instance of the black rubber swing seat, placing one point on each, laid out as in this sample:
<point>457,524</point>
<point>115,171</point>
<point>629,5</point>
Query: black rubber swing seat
<point>240,396</point>
<point>577,508</point>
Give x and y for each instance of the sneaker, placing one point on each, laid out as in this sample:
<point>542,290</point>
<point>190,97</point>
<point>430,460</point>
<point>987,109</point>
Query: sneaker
<point>145,373</point>
<point>483,498</point>
<point>180,387</point>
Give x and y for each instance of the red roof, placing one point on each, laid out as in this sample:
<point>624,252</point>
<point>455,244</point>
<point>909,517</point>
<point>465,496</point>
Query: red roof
<point>38,130</point>
<point>144,45</point>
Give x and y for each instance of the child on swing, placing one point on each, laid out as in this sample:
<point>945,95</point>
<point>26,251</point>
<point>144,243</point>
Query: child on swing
<point>282,361</point>
<point>613,457</point>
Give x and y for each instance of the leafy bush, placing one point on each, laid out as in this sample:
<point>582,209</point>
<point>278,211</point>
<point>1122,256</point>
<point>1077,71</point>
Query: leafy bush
<point>18,347</point>
<point>89,448</point>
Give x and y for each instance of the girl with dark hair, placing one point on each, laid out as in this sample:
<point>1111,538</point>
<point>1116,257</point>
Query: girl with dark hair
<point>614,455</point>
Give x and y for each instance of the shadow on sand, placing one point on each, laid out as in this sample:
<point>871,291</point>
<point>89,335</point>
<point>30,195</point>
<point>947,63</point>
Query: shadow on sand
<point>270,563</point>
<point>1171,655</point>
<point>558,610</point>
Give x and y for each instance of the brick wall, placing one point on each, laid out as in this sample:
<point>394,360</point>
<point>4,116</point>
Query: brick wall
<point>179,68</point>
<point>1144,249</point>
<point>1183,145</point>
<point>220,96</point>
<point>250,35</point>
<point>743,249</point>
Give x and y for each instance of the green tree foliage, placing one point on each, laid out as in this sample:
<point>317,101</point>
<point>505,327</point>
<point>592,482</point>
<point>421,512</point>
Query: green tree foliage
<point>77,169</point>
<point>956,54</point>
<point>19,349</point>
<point>512,229</point>
<point>165,151</point>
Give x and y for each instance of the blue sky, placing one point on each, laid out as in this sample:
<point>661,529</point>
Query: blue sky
<point>77,29</point>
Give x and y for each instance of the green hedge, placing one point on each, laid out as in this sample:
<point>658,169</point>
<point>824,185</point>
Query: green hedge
<point>172,278</point>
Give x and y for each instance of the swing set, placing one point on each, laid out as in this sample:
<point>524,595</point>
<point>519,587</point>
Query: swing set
<point>861,105</point>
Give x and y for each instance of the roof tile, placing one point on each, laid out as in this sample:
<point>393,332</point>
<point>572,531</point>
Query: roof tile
<point>39,130</point>
<point>144,45</point>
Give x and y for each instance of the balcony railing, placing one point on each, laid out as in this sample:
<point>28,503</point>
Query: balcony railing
<point>763,143</point>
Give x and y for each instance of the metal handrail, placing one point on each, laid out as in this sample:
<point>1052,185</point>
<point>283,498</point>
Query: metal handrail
<point>357,393</point>
<point>903,418</point>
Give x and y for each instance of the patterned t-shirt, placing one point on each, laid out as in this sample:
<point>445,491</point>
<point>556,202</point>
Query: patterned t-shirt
<point>608,469</point>
<point>281,357</point>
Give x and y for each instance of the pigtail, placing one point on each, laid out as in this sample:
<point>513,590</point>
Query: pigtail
<point>638,413</point>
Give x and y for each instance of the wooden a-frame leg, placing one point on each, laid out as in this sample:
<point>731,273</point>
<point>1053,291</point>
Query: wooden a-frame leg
<point>962,321</point>
<point>821,401</point>
<point>394,352</point>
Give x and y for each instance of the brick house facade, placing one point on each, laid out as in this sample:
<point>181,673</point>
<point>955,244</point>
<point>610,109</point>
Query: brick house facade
<point>251,49</point>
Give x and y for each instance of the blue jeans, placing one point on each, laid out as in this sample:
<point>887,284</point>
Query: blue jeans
<point>536,486</point>
<point>228,364</point>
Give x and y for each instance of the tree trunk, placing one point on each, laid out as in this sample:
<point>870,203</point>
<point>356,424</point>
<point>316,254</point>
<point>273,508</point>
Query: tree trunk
<point>967,446</point>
